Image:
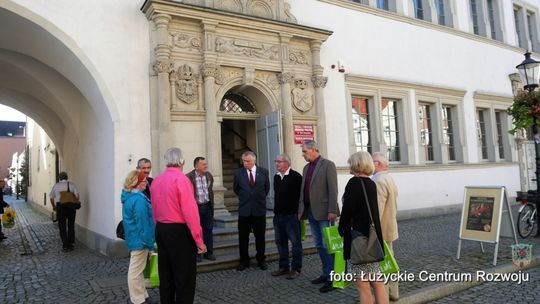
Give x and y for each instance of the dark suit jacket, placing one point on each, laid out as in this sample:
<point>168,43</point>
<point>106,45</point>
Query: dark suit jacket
<point>209,181</point>
<point>252,200</point>
<point>323,190</point>
<point>148,184</point>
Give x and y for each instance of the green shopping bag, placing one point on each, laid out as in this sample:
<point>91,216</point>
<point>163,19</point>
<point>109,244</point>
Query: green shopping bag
<point>303,230</point>
<point>332,239</point>
<point>340,268</point>
<point>389,264</point>
<point>151,270</point>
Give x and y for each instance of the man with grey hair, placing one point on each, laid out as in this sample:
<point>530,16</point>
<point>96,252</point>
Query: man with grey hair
<point>251,184</point>
<point>144,165</point>
<point>387,193</point>
<point>287,184</point>
<point>178,231</point>
<point>65,215</point>
<point>318,202</point>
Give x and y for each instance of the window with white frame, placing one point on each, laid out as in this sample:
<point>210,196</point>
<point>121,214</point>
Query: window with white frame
<point>449,136</point>
<point>422,9</point>
<point>519,24</point>
<point>361,126</point>
<point>494,19</point>
<point>391,131</point>
<point>499,128</point>
<point>532,27</point>
<point>387,5</point>
<point>481,131</point>
<point>526,23</point>
<point>477,17</point>
<point>444,12</point>
<point>425,126</point>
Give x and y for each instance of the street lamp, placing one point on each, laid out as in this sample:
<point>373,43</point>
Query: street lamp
<point>528,70</point>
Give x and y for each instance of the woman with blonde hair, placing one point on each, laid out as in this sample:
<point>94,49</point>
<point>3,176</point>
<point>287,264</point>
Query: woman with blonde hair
<point>355,215</point>
<point>139,232</point>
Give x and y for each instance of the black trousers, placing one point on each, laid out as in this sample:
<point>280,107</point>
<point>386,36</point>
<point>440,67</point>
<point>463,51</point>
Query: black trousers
<point>246,224</point>
<point>66,224</point>
<point>177,263</point>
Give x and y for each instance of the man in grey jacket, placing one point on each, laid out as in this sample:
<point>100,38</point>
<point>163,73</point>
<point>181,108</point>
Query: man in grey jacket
<point>318,201</point>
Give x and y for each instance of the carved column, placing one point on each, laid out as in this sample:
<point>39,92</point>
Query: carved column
<point>210,73</point>
<point>319,82</point>
<point>161,122</point>
<point>285,79</point>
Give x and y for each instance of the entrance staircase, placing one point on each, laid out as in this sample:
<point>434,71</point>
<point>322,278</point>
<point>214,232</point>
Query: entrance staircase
<point>226,229</point>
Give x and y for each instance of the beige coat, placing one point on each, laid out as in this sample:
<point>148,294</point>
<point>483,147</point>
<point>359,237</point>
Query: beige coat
<point>387,200</point>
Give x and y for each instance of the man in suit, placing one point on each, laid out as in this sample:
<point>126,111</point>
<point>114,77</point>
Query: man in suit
<point>145,165</point>
<point>387,200</point>
<point>318,201</point>
<point>203,184</point>
<point>251,185</point>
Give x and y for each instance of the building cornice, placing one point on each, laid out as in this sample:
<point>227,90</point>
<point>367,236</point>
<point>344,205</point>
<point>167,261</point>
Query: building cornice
<point>438,167</point>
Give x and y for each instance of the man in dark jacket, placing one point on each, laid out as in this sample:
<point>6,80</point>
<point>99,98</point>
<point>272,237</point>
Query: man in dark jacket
<point>3,204</point>
<point>203,184</point>
<point>287,184</point>
<point>251,185</point>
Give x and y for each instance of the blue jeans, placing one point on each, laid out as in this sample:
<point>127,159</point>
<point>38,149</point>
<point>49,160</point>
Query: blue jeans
<point>207,225</point>
<point>327,259</point>
<point>287,227</point>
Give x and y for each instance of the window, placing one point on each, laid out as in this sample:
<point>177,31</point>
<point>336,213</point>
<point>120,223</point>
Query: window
<point>426,131</point>
<point>526,24</point>
<point>390,128</point>
<point>519,29</point>
<point>499,129</point>
<point>494,20</point>
<point>439,6</point>
<point>365,2</point>
<point>477,17</point>
<point>387,5</point>
<point>448,131</point>
<point>532,26</point>
<point>481,131</point>
<point>361,126</point>
<point>383,4</point>
<point>419,9</point>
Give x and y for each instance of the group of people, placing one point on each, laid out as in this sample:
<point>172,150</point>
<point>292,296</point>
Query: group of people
<point>175,211</point>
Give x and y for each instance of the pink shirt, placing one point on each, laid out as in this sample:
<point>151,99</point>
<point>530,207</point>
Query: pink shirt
<point>173,201</point>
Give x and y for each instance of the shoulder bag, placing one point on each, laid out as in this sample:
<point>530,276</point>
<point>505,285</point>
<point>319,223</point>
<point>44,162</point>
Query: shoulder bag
<point>69,200</point>
<point>366,249</point>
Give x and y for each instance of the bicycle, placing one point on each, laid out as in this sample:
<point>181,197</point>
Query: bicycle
<point>527,218</point>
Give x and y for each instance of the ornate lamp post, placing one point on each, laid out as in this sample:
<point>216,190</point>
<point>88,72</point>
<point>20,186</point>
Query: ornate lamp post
<point>528,70</point>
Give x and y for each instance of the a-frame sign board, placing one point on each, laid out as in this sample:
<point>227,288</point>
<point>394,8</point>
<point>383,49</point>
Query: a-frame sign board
<point>486,216</point>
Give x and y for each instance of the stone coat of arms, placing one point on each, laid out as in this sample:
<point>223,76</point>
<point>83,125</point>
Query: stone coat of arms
<point>302,98</point>
<point>186,85</point>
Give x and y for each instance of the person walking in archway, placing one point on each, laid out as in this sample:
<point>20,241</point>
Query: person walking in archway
<point>65,214</point>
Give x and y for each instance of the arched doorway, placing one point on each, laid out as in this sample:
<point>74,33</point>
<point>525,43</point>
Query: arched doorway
<point>49,78</point>
<point>249,124</point>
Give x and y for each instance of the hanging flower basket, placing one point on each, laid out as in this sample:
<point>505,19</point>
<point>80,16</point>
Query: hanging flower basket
<point>524,110</point>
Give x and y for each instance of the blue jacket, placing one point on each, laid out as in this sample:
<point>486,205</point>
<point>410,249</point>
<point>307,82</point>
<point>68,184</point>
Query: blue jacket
<point>138,221</point>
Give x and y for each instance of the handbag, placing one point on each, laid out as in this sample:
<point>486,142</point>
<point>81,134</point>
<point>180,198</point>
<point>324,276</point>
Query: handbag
<point>8,218</point>
<point>332,240</point>
<point>366,249</point>
<point>389,264</point>
<point>151,270</point>
<point>69,200</point>
<point>120,231</point>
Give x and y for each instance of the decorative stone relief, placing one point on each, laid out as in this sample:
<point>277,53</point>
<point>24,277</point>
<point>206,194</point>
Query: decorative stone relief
<point>289,17</point>
<point>260,9</point>
<point>302,98</point>
<point>187,89</point>
<point>286,77</point>
<point>246,48</point>
<point>231,5</point>
<point>298,57</point>
<point>229,73</point>
<point>185,41</point>
<point>319,81</point>
<point>163,66</point>
<point>269,78</point>
<point>213,70</point>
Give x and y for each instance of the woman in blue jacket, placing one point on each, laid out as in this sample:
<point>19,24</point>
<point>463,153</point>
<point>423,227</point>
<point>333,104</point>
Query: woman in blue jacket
<point>139,232</point>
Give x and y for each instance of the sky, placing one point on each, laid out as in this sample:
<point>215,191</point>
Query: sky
<point>10,114</point>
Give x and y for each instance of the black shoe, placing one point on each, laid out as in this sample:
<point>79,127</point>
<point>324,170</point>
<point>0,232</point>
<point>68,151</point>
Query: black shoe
<point>199,258</point>
<point>210,257</point>
<point>242,267</point>
<point>280,272</point>
<point>319,280</point>
<point>263,266</point>
<point>327,287</point>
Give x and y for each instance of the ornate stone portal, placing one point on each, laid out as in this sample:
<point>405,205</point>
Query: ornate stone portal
<point>201,54</point>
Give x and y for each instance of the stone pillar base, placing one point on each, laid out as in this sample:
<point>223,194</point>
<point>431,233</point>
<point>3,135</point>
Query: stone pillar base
<point>219,202</point>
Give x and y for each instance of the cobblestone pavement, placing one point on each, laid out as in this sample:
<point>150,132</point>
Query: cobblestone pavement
<point>34,269</point>
<point>505,292</point>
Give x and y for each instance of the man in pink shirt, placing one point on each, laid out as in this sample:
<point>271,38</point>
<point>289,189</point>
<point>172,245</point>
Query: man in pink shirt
<point>178,231</point>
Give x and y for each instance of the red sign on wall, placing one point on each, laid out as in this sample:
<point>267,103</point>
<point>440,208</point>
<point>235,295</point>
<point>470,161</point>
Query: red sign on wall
<point>303,133</point>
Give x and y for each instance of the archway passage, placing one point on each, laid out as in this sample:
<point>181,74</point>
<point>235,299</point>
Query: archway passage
<point>44,74</point>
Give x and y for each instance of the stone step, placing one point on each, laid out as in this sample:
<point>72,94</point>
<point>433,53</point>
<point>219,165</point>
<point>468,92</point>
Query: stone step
<point>231,246</point>
<point>232,260</point>
<point>232,220</point>
<point>229,165</point>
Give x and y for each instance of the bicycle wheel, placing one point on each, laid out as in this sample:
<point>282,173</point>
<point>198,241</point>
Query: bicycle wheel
<point>525,222</point>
